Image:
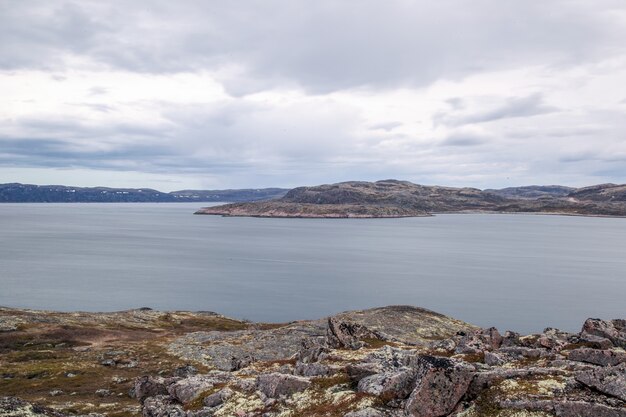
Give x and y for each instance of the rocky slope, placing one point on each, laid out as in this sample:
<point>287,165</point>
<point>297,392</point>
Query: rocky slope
<point>28,193</point>
<point>384,362</point>
<point>392,198</point>
<point>533,191</point>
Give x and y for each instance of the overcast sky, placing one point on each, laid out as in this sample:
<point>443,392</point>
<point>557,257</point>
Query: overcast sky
<point>217,94</point>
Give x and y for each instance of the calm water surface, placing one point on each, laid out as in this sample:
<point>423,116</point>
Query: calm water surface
<point>518,272</point>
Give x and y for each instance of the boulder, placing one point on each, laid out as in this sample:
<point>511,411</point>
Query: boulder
<point>312,369</point>
<point>480,341</point>
<point>584,409</point>
<point>597,357</point>
<point>553,339</point>
<point>439,385</point>
<point>185,371</point>
<point>218,397</point>
<point>391,385</point>
<point>275,385</point>
<point>188,389</point>
<point>149,386</point>
<point>162,406</point>
<point>614,330</point>
<point>610,380</point>
<point>358,371</point>
<point>347,334</point>
<point>494,359</point>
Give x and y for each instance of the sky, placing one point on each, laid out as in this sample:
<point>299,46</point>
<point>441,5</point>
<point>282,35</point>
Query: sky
<point>235,94</point>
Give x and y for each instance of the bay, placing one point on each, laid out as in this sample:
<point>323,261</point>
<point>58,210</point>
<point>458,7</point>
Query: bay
<point>520,272</point>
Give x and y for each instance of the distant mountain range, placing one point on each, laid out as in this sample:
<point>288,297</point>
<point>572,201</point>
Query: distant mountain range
<point>393,198</point>
<point>28,193</point>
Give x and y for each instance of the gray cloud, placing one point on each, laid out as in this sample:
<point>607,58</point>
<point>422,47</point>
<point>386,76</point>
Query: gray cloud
<point>464,139</point>
<point>321,46</point>
<point>330,72</point>
<point>532,105</point>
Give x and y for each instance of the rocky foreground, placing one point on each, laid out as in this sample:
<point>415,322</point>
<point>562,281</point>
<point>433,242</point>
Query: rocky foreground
<point>391,361</point>
<point>393,198</point>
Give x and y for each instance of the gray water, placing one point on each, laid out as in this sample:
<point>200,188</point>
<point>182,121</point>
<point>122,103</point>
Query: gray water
<point>520,272</point>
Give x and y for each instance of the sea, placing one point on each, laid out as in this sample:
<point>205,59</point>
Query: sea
<point>511,271</point>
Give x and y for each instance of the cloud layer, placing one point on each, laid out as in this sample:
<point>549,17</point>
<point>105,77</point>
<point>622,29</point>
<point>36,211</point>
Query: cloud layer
<point>228,94</point>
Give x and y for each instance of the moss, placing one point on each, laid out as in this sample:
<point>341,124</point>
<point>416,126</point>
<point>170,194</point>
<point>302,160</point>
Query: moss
<point>198,403</point>
<point>378,343</point>
<point>323,383</point>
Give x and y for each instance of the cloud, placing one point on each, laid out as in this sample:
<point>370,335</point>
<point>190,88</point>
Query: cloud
<point>464,139</point>
<point>387,126</point>
<point>274,92</point>
<point>512,107</point>
<point>320,46</point>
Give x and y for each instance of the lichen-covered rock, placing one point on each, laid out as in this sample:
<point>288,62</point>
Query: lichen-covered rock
<point>554,339</point>
<point>439,385</point>
<point>234,350</point>
<point>584,409</point>
<point>186,371</point>
<point>346,334</point>
<point>149,386</point>
<point>358,371</point>
<point>14,407</point>
<point>597,357</point>
<point>217,398</point>
<point>162,406</point>
<point>312,369</point>
<point>406,324</point>
<point>480,341</point>
<point>614,330</point>
<point>188,389</point>
<point>397,384</point>
<point>275,385</point>
<point>609,380</point>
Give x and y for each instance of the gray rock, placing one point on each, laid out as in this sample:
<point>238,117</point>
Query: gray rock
<point>358,371</point>
<point>149,386</point>
<point>390,385</point>
<point>162,406</point>
<point>103,393</point>
<point>312,369</point>
<point>275,385</point>
<point>185,371</point>
<point>597,357</point>
<point>218,398</point>
<point>346,334</point>
<point>614,330</point>
<point>609,380</point>
<point>439,385</point>
<point>510,339</point>
<point>494,359</point>
<point>233,350</point>
<point>245,385</point>
<point>14,407</point>
<point>595,342</point>
<point>188,389</point>
<point>564,408</point>
<point>56,393</point>
<point>480,341</point>
<point>406,324</point>
<point>583,409</point>
<point>554,339</point>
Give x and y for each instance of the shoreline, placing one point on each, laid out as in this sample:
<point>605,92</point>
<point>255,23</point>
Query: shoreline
<point>380,362</point>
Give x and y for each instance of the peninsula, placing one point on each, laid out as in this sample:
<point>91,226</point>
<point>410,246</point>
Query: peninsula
<point>393,198</point>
